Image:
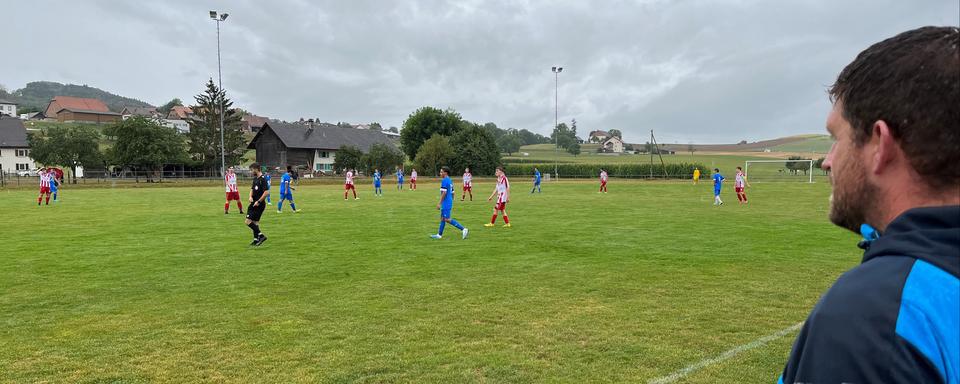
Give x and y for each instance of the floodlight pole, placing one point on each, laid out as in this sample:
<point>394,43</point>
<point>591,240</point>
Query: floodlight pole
<point>219,18</point>
<point>556,120</point>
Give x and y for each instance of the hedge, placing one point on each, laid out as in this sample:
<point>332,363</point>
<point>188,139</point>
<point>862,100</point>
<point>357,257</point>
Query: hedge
<point>673,171</point>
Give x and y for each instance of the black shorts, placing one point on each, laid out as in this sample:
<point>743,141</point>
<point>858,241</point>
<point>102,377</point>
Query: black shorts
<point>254,212</point>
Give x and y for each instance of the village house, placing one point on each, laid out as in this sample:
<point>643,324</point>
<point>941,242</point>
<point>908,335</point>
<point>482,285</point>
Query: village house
<point>8,108</point>
<point>315,146</point>
<point>14,149</point>
<point>148,112</point>
<point>179,112</point>
<point>612,144</point>
<point>67,109</point>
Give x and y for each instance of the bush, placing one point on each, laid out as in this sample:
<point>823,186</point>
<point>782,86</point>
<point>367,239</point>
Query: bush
<point>475,148</point>
<point>673,171</point>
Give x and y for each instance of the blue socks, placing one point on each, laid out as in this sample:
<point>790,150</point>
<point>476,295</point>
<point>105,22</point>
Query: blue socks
<point>280,206</point>
<point>456,224</point>
<point>443,224</point>
<point>293,206</point>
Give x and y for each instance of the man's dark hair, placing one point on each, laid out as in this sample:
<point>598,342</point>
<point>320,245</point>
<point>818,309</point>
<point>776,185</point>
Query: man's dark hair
<point>716,169</point>
<point>912,82</point>
<point>255,167</point>
<point>445,169</point>
<point>289,168</point>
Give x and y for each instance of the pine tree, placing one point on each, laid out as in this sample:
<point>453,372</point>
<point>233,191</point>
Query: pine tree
<point>204,135</point>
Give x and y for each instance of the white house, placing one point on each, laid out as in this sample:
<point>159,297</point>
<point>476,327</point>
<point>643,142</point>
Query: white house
<point>14,149</point>
<point>181,125</point>
<point>612,144</point>
<point>8,108</point>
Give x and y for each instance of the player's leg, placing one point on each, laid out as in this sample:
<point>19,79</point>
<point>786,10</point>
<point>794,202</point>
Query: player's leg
<point>226,205</point>
<point>503,211</point>
<point>493,219</point>
<point>354,189</point>
<point>280,203</point>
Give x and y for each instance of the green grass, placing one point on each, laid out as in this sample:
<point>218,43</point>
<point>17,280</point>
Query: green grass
<point>157,285</point>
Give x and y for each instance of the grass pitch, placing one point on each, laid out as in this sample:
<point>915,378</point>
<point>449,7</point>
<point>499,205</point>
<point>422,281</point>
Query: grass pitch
<point>158,285</point>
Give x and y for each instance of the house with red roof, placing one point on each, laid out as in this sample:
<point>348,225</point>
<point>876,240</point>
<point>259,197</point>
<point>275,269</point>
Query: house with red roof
<point>79,109</point>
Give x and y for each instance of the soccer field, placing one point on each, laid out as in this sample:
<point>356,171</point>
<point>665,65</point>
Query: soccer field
<point>134,285</point>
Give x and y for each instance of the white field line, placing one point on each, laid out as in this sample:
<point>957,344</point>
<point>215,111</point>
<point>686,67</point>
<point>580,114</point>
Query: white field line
<point>725,356</point>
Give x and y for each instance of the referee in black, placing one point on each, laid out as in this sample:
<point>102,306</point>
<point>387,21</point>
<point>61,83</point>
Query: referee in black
<point>258,193</point>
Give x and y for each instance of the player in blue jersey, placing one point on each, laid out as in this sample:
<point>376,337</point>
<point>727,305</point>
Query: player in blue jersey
<point>446,205</point>
<point>717,184</point>
<point>399,178</point>
<point>377,191</point>
<point>536,180</point>
<point>266,176</point>
<point>286,191</point>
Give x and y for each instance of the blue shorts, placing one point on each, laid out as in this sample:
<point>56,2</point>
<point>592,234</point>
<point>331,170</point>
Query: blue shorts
<point>286,196</point>
<point>536,182</point>
<point>376,185</point>
<point>445,212</point>
<point>399,181</point>
<point>716,191</point>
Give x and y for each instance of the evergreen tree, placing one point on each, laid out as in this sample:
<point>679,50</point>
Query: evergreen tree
<point>204,135</point>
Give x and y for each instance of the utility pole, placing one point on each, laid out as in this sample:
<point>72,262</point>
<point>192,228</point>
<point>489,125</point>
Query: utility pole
<point>556,119</point>
<point>220,18</point>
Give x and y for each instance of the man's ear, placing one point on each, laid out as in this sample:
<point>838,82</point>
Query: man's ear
<point>886,150</point>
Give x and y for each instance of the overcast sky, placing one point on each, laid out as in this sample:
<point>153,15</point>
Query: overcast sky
<point>694,71</point>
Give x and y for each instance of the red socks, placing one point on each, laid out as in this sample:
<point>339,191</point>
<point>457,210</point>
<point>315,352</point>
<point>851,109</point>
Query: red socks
<point>506,220</point>
<point>493,220</point>
<point>226,207</point>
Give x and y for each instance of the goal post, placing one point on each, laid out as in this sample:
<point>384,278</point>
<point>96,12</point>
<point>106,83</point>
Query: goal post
<point>779,170</point>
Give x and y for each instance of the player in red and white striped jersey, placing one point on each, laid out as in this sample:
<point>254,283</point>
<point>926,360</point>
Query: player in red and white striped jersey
<point>738,184</point>
<point>348,185</point>
<point>502,192</point>
<point>467,184</point>
<point>230,185</point>
<point>603,180</point>
<point>46,179</point>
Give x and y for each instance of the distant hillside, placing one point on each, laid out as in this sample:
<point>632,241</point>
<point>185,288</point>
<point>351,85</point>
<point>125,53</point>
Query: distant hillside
<point>38,93</point>
<point>799,143</point>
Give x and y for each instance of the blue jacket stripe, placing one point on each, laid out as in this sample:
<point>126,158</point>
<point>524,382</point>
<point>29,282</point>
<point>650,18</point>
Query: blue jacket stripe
<point>929,317</point>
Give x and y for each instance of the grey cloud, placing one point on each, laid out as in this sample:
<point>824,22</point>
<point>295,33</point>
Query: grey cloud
<point>694,70</point>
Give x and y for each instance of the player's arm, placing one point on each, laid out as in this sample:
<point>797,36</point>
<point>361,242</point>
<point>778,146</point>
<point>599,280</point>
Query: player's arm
<point>493,194</point>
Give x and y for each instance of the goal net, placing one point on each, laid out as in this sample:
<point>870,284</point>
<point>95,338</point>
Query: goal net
<point>779,170</point>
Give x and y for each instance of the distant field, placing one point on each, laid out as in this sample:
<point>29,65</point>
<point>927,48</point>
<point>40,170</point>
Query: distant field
<point>124,285</point>
<point>817,144</point>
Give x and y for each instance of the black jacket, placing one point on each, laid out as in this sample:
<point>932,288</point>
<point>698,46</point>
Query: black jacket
<point>895,318</point>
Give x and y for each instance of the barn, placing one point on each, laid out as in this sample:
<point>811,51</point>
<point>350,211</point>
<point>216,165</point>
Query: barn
<point>313,146</point>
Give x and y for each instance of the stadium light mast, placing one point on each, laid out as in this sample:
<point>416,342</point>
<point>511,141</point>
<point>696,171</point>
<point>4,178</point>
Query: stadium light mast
<point>556,119</point>
<point>220,17</point>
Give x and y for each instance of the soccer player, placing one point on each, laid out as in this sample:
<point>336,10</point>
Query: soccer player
<point>258,192</point>
<point>696,175</point>
<point>739,181</point>
<point>377,191</point>
<point>467,184</point>
<point>413,179</point>
<point>348,186</point>
<point>536,180</point>
<point>54,184</point>
<point>266,176</point>
<point>445,205</point>
<point>502,192</point>
<point>717,184</point>
<point>603,181</point>
<point>286,191</point>
<point>399,178</point>
<point>230,180</point>
<point>46,178</point>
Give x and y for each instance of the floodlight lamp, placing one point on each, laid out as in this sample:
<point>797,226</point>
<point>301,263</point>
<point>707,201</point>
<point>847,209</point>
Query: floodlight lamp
<point>223,17</point>
<point>554,69</point>
<point>213,15</point>
<point>559,69</point>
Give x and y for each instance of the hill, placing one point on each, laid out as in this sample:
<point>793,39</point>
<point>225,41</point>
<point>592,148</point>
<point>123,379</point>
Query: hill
<point>798,143</point>
<point>38,93</point>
